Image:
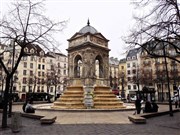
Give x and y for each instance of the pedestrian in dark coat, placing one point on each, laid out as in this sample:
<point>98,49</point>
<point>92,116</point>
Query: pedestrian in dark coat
<point>138,105</point>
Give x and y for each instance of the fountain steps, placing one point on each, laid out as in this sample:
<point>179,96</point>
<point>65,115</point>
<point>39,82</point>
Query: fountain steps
<point>68,103</point>
<point>74,92</point>
<point>68,107</point>
<point>71,99</point>
<point>72,95</point>
<point>108,107</point>
<point>104,96</point>
<point>109,103</point>
<point>105,99</point>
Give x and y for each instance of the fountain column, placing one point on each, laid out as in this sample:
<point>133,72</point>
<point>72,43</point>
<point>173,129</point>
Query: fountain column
<point>88,96</point>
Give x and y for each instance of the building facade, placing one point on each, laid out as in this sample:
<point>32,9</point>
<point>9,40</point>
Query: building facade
<point>37,72</point>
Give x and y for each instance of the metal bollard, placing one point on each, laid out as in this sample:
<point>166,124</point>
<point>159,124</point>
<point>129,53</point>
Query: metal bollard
<point>16,122</point>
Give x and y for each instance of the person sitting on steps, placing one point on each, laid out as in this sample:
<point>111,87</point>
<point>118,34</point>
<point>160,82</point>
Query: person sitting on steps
<point>28,108</point>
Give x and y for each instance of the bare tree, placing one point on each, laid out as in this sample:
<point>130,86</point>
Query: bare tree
<point>25,24</point>
<point>158,32</point>
<point>157,29</point>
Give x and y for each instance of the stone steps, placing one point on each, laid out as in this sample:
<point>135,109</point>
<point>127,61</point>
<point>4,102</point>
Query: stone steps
<point>68,107</point>
<point>108,107</point>
<point>105,99</point>
<point>72,98</point>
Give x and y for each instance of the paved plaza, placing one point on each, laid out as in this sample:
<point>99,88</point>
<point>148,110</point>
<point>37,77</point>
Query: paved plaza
<point>97,123</point>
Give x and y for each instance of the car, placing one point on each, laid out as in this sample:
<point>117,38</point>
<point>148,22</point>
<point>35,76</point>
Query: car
<point>118,97</point>
<point>174,97</point>
<point>133,98</point>
<point>115,91</point>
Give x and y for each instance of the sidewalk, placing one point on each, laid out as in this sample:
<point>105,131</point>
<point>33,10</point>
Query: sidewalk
<point>98,123</point>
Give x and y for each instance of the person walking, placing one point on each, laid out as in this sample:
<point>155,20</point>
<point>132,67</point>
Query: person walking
<point>176,101</point>
<point>138,105</point>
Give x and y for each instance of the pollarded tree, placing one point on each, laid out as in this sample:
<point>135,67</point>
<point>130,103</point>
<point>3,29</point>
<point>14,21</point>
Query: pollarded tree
<point>25,24</point>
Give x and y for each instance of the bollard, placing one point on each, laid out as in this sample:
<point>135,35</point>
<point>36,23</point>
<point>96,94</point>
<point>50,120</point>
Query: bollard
<point>16,122</point>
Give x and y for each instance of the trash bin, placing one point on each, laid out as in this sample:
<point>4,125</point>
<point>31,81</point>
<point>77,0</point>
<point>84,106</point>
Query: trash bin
<point>16,122</point>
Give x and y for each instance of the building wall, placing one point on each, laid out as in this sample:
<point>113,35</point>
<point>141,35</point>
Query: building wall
<point>31,74</point>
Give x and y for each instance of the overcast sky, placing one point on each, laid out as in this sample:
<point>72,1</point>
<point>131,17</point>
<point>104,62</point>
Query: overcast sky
<point>112,18</point>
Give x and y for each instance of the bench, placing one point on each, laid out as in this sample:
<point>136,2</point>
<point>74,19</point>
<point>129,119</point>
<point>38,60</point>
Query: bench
<point>48,120</point>
<point>137,119</point>
<point>43,119</point>
<point>32,115</point>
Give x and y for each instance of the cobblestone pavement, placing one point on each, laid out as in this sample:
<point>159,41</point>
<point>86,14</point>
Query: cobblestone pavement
<point>97,123</point>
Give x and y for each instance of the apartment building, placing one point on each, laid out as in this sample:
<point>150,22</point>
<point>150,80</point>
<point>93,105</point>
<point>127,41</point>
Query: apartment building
<point>114,72</point>
<point>132,72</point>
<point>38,71</point>
<point>122,78</point>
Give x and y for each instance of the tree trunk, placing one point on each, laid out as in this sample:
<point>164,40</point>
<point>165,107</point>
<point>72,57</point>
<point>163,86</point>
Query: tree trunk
<point>5,102</point>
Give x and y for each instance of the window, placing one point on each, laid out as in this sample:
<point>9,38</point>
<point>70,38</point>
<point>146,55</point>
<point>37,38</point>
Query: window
<point>26,49</point>
<point>32,58</point>
<point>64,65</point>
<point>128,65</point>
<point>39,73</point>
<point>32,51</point>
<point>134,57</point>
<point>51,90</point>
<point>30,88</point>
<point>42,89</point>
<point>58,65</point>
<point>59,71</point>
<point>129,87</point>
<point>43,74</point>
<point>24,72</point>
<point>24,80</point>
<point>50,60</point>
<point>24,89</point>
<point>134,86</point>
<point>31,73</point>
<point>25,64</point>
<point>24,58</point>
<point>39,66</point>
<point>129,72</point>
<point>38,89</point>
<point>52,67</point>
<point>64,72</point>
<point>129,78</point>
<point>122,67</point>
<point>31,65</point>
<point>43,66</point>
<point>134,64</point>
<point>134,71</point>
<point>30,81</point>
<point>43,60</point>
<point>42,81</point>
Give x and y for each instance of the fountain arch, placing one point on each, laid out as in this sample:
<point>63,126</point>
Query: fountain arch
<point>77,66</point>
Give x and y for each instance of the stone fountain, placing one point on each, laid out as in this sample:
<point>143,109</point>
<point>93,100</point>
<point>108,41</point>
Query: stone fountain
<point>88,73</point>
